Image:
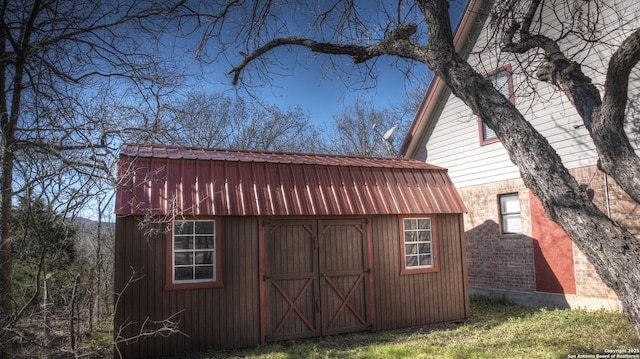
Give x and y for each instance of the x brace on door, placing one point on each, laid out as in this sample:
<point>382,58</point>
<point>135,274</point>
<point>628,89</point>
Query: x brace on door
<point>345,300</point>
<point>293,306</point>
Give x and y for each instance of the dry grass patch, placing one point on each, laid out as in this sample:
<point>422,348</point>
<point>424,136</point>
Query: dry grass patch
<point>496,329</point>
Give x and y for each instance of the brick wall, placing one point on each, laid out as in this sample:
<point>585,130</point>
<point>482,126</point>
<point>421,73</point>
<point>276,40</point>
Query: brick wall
<point>506,261</point>
<point>622,210</point>
<point>588,282</point>
<point>496,260</point>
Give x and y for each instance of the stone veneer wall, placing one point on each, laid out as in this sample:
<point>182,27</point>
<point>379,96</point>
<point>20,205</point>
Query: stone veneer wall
<point>506,262</point>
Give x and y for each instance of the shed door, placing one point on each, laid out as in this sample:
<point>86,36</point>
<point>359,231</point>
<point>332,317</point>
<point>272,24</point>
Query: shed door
<point>316,276</point>
<point>291,279</point>
<point>344,276</point>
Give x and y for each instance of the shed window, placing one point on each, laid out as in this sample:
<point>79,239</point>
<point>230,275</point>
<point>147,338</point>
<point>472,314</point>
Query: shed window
<point>501,80</point>
<point>510,214</point>
<point>418,249</point>
<point>194,254</point>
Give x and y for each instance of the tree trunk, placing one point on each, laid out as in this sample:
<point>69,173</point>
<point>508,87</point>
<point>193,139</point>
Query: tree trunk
<point>6,260</point>
<point>611,248</point>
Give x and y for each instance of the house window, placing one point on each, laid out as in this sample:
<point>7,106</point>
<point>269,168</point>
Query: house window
<point>194,258</point>
<point>487,133</point>
<point>501,80</point>
<point>418,249</point>
<point>510,214</point>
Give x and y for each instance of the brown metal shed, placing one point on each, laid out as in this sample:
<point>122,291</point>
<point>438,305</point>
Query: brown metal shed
<point>237,248</point>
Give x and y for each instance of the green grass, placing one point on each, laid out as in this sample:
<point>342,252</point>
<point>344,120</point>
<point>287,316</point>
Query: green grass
<point>496,329</point>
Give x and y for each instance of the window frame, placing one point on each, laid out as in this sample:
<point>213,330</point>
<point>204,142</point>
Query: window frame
<point>481,124</point>
<point>434,247</point>
<point>502,214</point>
<point>170,282</point>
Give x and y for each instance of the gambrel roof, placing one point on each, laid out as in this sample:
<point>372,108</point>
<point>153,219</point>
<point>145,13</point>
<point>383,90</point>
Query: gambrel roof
<point>164,180</point>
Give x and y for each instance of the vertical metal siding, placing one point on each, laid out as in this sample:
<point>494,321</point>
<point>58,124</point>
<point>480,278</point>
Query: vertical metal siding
<point>212,318</point>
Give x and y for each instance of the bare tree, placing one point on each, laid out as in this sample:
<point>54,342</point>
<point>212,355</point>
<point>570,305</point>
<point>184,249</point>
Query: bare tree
<point>217,120</point>
<point>360,131</point>
<point>55,58</point>
<point>367,33</point>
<point>204,120</point>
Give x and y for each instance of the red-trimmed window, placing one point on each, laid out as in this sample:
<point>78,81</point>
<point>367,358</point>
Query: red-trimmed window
<point>418,245</point>
<point>193,255</point>
<point>501,80</point>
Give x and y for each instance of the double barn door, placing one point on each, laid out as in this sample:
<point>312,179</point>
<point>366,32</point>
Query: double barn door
<point>316,278</point>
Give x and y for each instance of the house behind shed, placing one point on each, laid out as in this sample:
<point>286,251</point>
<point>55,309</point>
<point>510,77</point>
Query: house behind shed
<point>233,249</point>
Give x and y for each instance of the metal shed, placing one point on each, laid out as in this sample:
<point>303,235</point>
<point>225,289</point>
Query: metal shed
<point>238,248</point>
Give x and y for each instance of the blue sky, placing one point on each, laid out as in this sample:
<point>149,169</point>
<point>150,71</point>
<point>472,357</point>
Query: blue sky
<point>323,94</point>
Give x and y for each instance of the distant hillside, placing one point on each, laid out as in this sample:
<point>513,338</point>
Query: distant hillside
<point>87,230</point>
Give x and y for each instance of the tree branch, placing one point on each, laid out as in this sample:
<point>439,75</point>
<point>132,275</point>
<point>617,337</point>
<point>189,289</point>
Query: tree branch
<point>616,155</point>
<point>558,70</point>
<point>359,54</point>
<point>604,119</point>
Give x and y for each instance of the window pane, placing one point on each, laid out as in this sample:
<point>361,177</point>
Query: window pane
<point>205,242</point>
<point>511,223</point>
<point>424,236</point>
<point>410,236</point>
<point>424,223</point>
<point>410,249</point>
<point>411,261</point>
<point>183,258</point>
<point>205,227</point>
<point>183,227</point>
<point>204,272</point>
<point>487,133</point>
<point>409,224</point>
<point>500,81</point>
<point>510,203</point>
<point>183,242</point>
<point>425,248</point>
<point>183,273</point>
<point>204,257</point>
<point>425,260</point>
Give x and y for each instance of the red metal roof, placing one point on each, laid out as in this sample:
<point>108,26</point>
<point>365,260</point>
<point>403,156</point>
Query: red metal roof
<point>164,180</point>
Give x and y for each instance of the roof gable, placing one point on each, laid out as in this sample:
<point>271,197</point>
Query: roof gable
<point>163,180</point>
<point>464,38</point>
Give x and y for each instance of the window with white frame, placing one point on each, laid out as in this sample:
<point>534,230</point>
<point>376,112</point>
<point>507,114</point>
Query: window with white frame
<point>418,243</point>
<point>510,214</point>
<point>194,251</point>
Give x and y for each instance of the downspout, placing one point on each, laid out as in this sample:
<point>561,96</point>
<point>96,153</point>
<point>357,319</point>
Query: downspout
<point>606,194</point>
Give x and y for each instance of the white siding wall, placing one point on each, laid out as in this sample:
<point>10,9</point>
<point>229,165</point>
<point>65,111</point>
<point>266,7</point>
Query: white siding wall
<point>454,141</point>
